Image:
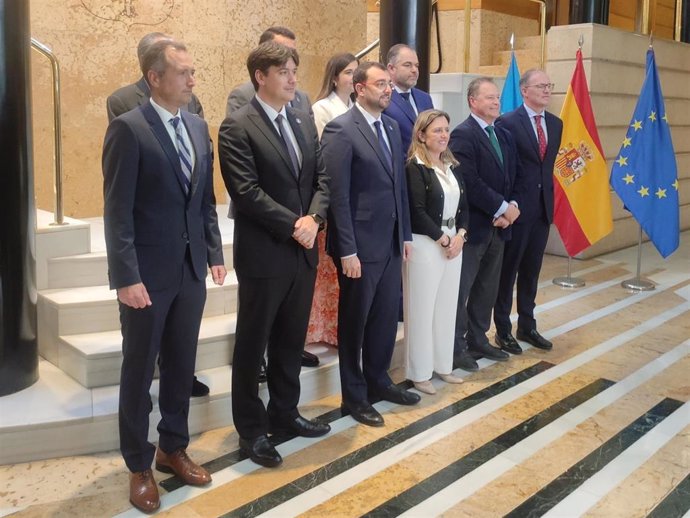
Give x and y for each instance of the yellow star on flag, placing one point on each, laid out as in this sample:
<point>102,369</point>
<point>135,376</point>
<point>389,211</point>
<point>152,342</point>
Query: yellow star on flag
<point>665,117</point>
<point>644,191</point>
<point>626,141</point>
<point>628,178</point>
<point>652,116</point>
<point>675,184</point>
<point>622,160</point>
<point>660,193</point>
<point>637,125</point>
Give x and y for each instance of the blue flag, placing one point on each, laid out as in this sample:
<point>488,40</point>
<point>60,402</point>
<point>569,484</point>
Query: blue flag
<point>511,98</point>
<point>644,174</point>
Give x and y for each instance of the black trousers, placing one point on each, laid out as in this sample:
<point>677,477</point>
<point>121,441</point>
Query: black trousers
<point>481,266</point>
<point>367,325</point>
<point>169,328</point>
<point>273,313</point>
<point>522,259</point>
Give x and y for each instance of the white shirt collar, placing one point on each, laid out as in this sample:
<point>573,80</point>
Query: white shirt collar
<point>402,90</point>
<point>270,111</point>
<point>164,114</point>
<point>531,112</point>
<point>482,123</point>
<point>368,116</point>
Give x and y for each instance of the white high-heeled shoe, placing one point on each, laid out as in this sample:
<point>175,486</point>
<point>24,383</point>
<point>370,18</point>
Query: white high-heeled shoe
<point>425,386</point>
<point>450,378</point>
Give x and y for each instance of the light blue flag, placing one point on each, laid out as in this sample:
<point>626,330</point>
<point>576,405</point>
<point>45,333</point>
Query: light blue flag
<point>644,175</point>
<point>511,98</point>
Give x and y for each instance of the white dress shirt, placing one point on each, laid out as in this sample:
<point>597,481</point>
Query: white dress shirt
<point>166,118</point>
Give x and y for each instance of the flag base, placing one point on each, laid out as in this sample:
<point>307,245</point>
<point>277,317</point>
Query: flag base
<point>638,284</point>
<point>569,282</point>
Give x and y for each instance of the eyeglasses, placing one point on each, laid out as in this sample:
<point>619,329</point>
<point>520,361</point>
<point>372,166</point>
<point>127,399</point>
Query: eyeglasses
<point>543,86</point>
<point>381,85</point>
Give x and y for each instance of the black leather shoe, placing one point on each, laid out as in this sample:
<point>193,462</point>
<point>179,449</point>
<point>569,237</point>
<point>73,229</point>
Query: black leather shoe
<point>508,343</point>
<point>261,451</point>
<point>534,338</point>
<point>199,389</point>
<point>465,362</point>
<point>398,395</point>
<point>300,426</point>
<point>363,413</point>
<point>262,371</point>
<point>309,359</point>
<point>491,352</point>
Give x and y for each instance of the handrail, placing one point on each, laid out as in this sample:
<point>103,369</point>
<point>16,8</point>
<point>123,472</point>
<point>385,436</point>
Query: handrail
<point>678,26</point>
<point>58,216</point>
<point>368,48</point>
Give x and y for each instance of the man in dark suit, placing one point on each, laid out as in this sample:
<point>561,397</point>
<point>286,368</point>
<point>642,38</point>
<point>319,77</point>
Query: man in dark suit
<point>368,238</point>
<point>161,232</point>
<point>406,101</point>
<point>537,134</point>
<point>489,166</point>
<point>271,163</point>
<point>129,97</point>
<point>241,96</point>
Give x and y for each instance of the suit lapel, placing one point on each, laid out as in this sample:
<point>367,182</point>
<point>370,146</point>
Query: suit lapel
<point>483,137</point>
<point>551,132</point>
<point>528,128</point>
<point>164,140</point>
<point>404,106</point>
<point>296,126</point>
<point>197,143</point>
<point>370,137</point>
<point>260,119</point>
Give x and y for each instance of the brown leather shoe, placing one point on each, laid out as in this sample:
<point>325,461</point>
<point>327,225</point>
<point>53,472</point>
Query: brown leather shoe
<point>143,492</point>
<point>181,465</point>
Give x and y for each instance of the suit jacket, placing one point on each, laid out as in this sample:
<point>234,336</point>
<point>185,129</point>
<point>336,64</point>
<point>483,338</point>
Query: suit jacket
<point>244,93</point>
<point>536,195</point>
<point>427,200</point>
<point>488,183</point>
<point>267,197</point>
<point>325,110</point>
<point>369,205</point>
<point>149,220</point>
<point>129,97</point>
<point>404,115</point>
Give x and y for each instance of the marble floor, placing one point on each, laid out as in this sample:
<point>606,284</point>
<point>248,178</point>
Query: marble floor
<point>599,426</point>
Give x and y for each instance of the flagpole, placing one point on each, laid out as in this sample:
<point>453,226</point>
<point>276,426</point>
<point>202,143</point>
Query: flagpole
<point>569,281</point>
<point>637,283</point>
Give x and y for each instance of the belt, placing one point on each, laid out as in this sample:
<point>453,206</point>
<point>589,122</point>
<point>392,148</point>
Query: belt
<point>450,222</point>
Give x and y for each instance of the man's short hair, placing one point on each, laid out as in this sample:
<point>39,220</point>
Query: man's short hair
<point>270,33</point>
<point>155,59</point>
<point>147,41</point>
<point>361,72</point>
<point>474,85</point>
<point>266,55</point>
<point>527,75</point>
<point>393,52</point>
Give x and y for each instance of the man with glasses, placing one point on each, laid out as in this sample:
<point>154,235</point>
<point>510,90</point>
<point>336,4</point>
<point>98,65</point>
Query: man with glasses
<point>488,164</point>
<point>368,238</point>
<point>537,134</point>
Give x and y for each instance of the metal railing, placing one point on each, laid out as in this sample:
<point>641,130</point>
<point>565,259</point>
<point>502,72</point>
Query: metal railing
<point>368,48</point>
<point>58,216</point>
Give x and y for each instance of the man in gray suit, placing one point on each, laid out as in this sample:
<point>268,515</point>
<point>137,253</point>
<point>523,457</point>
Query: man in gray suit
<point>244,93</point>
<point>129,97</point>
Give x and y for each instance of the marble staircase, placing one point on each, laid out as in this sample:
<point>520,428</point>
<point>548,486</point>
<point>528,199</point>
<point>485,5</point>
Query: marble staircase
<point>527,54</point>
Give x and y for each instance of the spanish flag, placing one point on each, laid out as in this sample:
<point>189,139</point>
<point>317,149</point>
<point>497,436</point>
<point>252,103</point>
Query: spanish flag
<point>582,203</point>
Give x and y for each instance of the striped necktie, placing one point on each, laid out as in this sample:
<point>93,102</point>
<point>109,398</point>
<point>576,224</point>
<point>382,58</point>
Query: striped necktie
<point>183,153</point>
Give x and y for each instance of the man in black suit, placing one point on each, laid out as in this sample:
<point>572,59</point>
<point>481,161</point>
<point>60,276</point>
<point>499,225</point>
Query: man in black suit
<point>271,163</point>
<point>368,238</point>
<point>537,134</point>
<point>129,97</point>
<point>489,166</point>
<point>161,232</point>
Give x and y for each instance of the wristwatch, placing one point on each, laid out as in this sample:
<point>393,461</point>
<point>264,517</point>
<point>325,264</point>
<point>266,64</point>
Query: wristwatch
<point>319,220</point>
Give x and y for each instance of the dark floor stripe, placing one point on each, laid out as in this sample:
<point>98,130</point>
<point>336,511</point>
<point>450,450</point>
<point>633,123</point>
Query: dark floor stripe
<point>676,504</point>
<point>547,497</point>
<point>461,467</point>
<point>342,464</point>
<point>224,461</point>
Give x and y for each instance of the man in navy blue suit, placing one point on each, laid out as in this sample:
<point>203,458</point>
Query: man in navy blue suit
<point>406,101</point>
<point>368,238</point>
<point>161,233</point>
<point>537,134</point>
<point>489,166</point>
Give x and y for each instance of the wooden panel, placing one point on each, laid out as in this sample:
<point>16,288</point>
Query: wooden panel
<point>522,8</point>
<point>621,22</point>
<point>623,8</point>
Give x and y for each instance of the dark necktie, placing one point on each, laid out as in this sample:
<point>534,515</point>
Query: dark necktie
<point>405,95</point>
<point>288,144</point>
<point>183,153</point>
<point>541,137</point>
<point>384,146</point>
<point>494,143</point>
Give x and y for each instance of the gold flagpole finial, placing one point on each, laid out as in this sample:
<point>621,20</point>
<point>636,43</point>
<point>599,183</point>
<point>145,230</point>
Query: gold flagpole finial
<point>580,42</point>
<point>512,41</point>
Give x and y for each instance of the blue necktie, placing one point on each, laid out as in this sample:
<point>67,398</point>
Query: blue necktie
<point>384,146</point>
<point>288,144</point>
<point>184,154</point>
<point>405,95</point>
<point>494,142</point>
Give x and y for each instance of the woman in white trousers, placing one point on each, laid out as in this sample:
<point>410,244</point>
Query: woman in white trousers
<point>431,280</point>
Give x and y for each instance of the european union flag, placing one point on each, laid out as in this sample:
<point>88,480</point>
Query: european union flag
<point>511,98</point>
<point>645,175</point>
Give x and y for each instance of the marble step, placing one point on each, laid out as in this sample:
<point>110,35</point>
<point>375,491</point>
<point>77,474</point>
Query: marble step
<point>72,311</point>
<point>526,58</point>
<point>91,269</point>
<point>494,70</point>
<point>94,359</point>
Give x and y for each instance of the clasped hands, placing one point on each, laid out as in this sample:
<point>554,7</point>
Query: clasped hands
<point>454,245</point>
<point>508,217</point>
<point>305,231</point>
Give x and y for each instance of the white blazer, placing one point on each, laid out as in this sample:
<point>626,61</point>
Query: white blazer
<point>328,109</point>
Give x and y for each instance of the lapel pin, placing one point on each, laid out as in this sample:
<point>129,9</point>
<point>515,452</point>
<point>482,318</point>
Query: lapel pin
<point>299,121</point>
